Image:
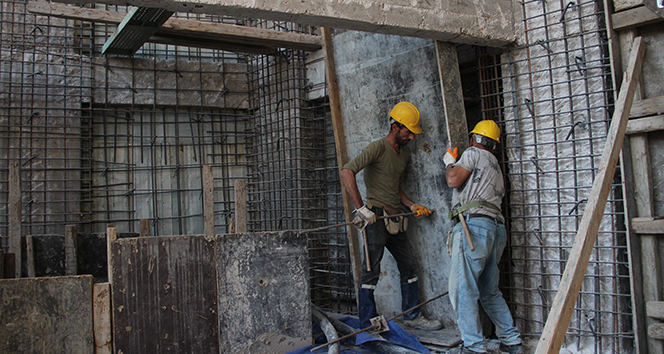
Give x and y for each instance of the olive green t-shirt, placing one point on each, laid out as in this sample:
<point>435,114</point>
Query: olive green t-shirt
<point>383,169</point>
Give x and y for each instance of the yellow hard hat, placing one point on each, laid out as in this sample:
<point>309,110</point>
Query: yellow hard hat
<point>487,128</point>
<point>407,114</point>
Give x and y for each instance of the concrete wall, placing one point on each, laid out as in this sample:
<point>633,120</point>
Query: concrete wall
<point>472,21</point>
<point>375,72</point>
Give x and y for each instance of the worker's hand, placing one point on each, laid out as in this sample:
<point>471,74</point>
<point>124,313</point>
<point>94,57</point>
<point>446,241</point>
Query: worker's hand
<point>420,210</point>
<point>363,217</point>
<point>450,157</point>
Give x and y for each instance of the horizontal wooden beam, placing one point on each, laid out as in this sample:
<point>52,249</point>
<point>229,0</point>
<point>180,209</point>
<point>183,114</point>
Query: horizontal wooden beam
<point>647,107</point>
<point>645,125</point>
<point>655,309</point>
<point>648,226</point>
<point>192,32</point>
<point>656,331</point>
<point>636,17</point>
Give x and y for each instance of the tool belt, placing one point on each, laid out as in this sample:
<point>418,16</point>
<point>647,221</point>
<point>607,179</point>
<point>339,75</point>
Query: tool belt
<point>454,213</point>
<point>393,225</point>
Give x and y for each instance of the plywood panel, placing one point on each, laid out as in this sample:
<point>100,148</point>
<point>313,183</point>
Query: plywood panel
<point>164,295</point>
<point>263,289</point>
<point>46,315</point>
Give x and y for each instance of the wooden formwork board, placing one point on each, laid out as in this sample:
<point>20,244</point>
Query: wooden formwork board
<point>46,315</point>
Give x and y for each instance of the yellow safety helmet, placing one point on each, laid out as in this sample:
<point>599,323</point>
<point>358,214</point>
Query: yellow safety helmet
<point>487,128</point>
<point>407,114</point>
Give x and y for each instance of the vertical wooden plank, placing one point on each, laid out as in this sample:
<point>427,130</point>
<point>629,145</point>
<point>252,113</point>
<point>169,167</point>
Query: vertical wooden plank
<point>144,228</point>
<point>101,314</point>
<point>111,236</point>
<point>642,197</point>
<point>240,206</point>
<point>450,84</point>
<point>14,218</point>
<point>164,295</point>
<point>560,315</point>
<point>342,152</point>
<point>29,257</point>
<point>208,201</point>
<point>71,233</point>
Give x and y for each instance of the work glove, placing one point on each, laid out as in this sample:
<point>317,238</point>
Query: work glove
<point>363,217</point>
<point>420,210</point>
<point>450,157</point>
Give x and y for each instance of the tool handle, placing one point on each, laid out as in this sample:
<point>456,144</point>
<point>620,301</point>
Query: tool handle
<point>466,231</point>
<point>366,249</point>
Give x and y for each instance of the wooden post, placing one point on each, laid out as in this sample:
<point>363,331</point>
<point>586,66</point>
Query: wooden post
<point>342,152</point>
<point>29,257</point>
<point>450,84</point>
<point>14,217</point>
<point>645,262</point>
<point>240,206</point>
<point>111,236</point>
<point>560,315</point>
<point>101,308</point>
<point>71,234</point>
<point>208,201</point>
<point>144,228</point>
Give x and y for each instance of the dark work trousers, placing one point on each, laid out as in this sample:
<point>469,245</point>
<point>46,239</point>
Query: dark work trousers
<point>399,246</point>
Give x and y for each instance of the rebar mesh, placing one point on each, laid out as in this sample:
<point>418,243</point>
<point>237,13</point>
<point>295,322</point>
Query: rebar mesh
<point>293,181</point>
<point>553,98</point>
<point>116,140</point>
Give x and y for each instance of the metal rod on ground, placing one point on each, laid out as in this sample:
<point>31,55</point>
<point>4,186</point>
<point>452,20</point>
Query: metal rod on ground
<point>388,320</point>
<point>466,231</point>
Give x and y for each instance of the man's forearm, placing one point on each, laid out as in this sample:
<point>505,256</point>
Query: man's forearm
<point>349,182</point>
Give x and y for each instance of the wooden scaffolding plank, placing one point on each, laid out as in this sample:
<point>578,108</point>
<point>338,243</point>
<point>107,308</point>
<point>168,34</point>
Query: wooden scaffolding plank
<point>648,226</point>
<point>71,233</point>
<point>645,125</point>
<point>450,83</point>
<point>208,201</point>
<point>655,309</point>
<point>186,32</point>
<point>636,17</point>
<point>341,150</point>
<point>14,217</point>
<point>647,107</point>
<point>240,206</point>
<point>101,308</point>
<point>560,315</point>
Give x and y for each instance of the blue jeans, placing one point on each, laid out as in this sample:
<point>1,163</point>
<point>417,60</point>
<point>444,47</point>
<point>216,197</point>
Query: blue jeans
<point>474,276</point>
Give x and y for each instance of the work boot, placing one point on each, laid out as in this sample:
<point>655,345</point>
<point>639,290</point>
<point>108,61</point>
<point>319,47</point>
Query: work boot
<point>511,349</point>
<point>421,322</point>
<point>463,350</point>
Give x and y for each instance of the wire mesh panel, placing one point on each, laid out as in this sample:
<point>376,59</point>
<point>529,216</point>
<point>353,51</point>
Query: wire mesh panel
<point>294,182</point>
<point>44,87</point>
<point>553,97</point>
<point>147,164</point>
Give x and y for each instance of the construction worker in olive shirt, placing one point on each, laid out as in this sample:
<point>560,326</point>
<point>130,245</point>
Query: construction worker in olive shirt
<point>478,191</point>
<point>384,162</point>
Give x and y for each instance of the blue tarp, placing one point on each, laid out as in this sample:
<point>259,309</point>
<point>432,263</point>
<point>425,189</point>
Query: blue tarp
<point>395,335</point>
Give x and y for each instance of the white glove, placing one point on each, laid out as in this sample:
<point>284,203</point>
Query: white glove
<point>363,217</point>
<point>450,157</point>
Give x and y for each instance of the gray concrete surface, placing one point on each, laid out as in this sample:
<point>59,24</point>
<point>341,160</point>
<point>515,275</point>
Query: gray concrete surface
<point>375,72</point>
<point>474,21</point>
